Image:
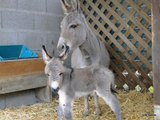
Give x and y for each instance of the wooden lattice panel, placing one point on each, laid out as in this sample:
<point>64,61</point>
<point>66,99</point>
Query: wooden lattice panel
<point>125,26</point>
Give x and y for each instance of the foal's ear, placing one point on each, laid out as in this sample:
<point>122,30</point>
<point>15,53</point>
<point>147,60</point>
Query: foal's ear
<point>45,56</point>
<point>66,7</point>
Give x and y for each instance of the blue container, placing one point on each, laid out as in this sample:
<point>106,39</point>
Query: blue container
<point>13,52</point>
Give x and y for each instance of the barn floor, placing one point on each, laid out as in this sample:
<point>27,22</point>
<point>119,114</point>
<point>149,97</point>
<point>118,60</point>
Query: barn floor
<point>134,105</point>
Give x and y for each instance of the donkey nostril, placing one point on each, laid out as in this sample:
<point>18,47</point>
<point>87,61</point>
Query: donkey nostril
<point>62,47</point>
<point>67,48</point>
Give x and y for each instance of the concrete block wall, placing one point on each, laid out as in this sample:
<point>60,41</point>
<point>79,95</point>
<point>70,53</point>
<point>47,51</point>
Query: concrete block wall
<point>30,22</point>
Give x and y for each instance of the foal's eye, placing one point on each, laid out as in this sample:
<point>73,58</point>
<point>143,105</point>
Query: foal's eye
<point>48,75</point>
<point>73,26</point>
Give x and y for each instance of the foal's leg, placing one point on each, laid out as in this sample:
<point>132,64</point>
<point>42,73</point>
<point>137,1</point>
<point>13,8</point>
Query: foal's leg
<point>112,101</point>
<point>97,109</point>
<point>60,113</point>
<point>86,106</point>
<point>65,106</point>
<point>68,111</point>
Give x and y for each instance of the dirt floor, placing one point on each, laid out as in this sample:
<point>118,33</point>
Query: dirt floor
<point>134,106</point>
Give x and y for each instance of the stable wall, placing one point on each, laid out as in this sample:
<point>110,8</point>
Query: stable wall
<point>30,22</point>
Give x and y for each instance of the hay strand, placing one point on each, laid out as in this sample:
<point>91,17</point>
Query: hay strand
<point>134,105</point>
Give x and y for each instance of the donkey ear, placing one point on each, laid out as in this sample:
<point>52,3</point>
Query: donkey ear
<point>45,56</point>
<point>76,5</point>
<point>66,7</point>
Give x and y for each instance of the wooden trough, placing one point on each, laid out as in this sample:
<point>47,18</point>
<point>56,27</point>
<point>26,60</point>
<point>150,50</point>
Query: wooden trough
<point>23,82</point>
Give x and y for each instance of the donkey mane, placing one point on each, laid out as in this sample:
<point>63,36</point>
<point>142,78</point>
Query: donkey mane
<point>90,46</point>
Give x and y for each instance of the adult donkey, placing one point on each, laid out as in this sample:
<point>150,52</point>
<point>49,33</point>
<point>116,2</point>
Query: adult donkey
<point>77,38</point>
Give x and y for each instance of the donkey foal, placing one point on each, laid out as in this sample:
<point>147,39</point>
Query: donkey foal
<point>79,82</point>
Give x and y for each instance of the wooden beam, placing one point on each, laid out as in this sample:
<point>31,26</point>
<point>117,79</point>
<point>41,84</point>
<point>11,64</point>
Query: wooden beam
<point>21,67</point>
<point>156,55</point>
<point>25,82</point>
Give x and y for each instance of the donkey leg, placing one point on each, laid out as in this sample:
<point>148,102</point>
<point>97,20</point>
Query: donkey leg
<point>68,111</point>
<point>86,106</point>
<point>112,101</point>
<point>65,103</point>
<point>60,113</point>
<point>97,109</point>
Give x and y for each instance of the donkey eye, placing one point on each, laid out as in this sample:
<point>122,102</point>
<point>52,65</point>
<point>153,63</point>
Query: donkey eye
<point>73,26</point>
<point>60,74</point>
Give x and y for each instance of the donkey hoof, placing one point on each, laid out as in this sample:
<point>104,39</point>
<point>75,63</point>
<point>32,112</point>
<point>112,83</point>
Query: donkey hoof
<point>97,112</point>
<point>85,113</point>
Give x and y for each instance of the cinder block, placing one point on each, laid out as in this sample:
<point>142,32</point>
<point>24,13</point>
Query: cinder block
<point>52,40</point>
<point>54,6</point>
<point>21,98</point>
<point>12,4</point>
<point>47,22</point>
<point>8,38</point>
<point>0,19</point>
<point>33,40</point>
<point>17,20</point>
<point>32,5</point>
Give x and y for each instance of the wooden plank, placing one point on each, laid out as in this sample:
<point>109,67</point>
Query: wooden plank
<point>148,81</point>
<point>107,14</point>
<point>24,82</point>
<point>17,68</point>
<point>143,59</point>
<point>124,24</point>
<point>139,11</point>
<point>123,37</point>
<point>155,55</point>
<point>133,84</point>
<point>134,20</point>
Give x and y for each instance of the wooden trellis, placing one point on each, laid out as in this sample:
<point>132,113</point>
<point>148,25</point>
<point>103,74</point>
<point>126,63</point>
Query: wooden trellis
<point>125,26</point>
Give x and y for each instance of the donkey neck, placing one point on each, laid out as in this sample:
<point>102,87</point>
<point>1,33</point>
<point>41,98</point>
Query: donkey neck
<point>67,79</point>
<point>89,48</point>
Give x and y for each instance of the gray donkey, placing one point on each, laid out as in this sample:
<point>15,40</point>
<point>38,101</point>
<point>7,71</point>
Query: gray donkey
<point>78,82</point>
<point>77,38</point>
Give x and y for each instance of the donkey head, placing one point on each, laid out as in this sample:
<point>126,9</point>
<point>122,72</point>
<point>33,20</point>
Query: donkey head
<point>73,28</point>
<point>54,69</point>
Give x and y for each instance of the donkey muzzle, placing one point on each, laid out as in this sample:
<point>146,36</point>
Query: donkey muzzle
<point>64,54</point>
<point>55,90</point>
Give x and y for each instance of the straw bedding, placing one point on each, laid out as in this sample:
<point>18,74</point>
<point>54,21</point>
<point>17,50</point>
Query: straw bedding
<point>134,106</point>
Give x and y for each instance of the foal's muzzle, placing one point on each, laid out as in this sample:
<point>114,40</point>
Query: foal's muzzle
<point>55,90</point>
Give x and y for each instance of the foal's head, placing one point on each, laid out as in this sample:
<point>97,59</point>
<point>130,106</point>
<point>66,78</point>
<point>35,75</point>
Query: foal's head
<point>54,69</point>
<point>73,27</point>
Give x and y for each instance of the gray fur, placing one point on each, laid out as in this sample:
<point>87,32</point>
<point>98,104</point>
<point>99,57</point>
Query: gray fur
<point>86,49</point>
<point>80,82</point>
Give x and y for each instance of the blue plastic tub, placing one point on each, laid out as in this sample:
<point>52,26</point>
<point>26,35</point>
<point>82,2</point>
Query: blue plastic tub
<point>13,52</point>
